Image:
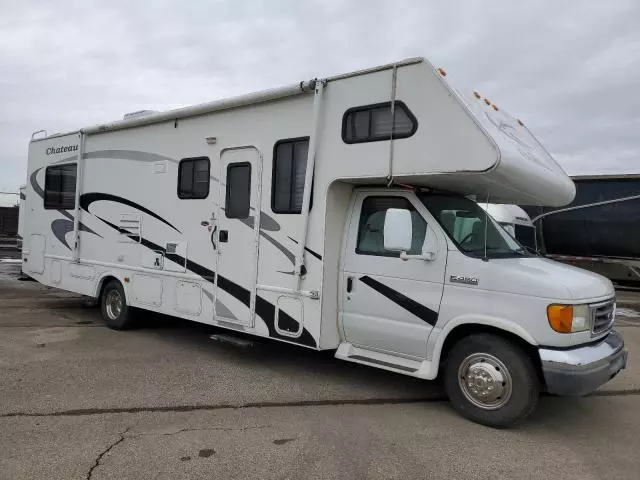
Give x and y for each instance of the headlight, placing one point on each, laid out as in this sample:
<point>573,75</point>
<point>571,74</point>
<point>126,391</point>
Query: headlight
<point>568,318</point>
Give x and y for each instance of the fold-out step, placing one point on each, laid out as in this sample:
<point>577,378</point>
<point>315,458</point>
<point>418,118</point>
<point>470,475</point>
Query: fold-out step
<point>349,352</point>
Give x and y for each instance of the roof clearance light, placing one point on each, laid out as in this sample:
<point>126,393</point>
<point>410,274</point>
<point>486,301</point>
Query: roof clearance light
<point>476,94</point>
<point>495,107</point>
<point>520,123</point>
<point>487,101</point>
<point>442,72</point>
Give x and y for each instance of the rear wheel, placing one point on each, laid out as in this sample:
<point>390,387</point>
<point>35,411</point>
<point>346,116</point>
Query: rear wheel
<point>491,381</point>
<point>115,311</point>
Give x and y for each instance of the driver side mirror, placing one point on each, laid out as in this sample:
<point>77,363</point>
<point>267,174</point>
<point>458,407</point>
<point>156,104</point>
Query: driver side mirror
<point>398,230</point>
<point>398,235</point>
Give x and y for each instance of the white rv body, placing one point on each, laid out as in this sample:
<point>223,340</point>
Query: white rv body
<point>298,278</point>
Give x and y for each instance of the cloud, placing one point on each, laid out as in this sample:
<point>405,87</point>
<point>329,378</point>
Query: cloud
<point>569,69</point>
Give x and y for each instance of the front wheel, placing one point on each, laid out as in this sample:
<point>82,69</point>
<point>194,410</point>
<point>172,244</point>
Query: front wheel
<point>491,381</point>
<point>115,311</point>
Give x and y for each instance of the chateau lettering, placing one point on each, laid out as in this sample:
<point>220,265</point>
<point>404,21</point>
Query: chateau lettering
<point>65,148</point>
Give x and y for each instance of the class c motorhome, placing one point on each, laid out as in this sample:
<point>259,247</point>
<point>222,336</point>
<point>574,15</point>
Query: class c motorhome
<point>338,214</point>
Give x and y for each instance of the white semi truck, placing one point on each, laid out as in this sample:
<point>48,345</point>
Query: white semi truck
<point>335,214</point>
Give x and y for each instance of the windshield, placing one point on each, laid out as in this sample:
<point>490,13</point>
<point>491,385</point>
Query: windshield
<point>464,221</point>
<point>526,235</point>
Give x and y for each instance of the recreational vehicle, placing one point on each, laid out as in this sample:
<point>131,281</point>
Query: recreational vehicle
<point>335,214</point>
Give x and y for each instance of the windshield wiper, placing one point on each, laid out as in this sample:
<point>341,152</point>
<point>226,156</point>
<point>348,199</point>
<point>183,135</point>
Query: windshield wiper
<point>497,252</point>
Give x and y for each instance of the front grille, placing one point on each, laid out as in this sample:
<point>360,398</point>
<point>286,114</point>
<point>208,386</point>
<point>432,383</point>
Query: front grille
<point>602,316</point>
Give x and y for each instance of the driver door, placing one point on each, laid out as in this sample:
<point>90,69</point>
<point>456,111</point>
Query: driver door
<point>390,304</point>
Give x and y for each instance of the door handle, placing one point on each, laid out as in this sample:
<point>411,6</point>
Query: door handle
<point>224,236</point>
<point>213,233</point>
<point>349,284</point>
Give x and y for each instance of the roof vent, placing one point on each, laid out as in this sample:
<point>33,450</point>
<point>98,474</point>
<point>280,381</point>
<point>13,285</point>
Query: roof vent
<point>138,114</point>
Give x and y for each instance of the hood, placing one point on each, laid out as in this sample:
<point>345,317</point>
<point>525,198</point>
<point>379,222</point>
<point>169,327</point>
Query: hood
<point>546,278</point>
<point>532,276</point>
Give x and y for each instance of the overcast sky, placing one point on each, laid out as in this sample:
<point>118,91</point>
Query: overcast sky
<point>569,69</point>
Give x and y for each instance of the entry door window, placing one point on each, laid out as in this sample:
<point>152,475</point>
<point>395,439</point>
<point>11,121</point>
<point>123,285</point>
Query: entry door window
<point>238,195</point>
<point>371,227</point>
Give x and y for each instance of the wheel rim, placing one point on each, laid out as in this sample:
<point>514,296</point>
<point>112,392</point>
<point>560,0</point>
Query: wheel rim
<point>485,381</point>
<point>113,302</point>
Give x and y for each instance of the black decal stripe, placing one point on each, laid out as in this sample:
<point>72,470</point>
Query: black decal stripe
<point>317,255</point>
<point>239,293</point>
<point>249,222</point>
<point>88,198</point>
<point>61,226</point>
<point>264,309</point>
<point>267,312</point>
<point>268,223</point>
<point>286,252</point>
<point>419,310</point>
<point>34,183</point>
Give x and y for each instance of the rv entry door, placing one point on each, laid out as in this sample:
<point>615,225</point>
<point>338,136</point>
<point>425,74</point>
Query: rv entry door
<point>238,229</point>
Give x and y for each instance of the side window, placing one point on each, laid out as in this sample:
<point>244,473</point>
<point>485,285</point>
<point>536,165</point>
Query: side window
<point>193,178</point>
<point>60,187</point>
<point>238,196</point>
<point>371,227</point>
<point>372,123</point>
<point>289,169</point>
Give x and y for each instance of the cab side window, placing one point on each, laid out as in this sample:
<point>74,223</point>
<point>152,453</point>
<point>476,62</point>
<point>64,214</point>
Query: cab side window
<point>371,227</point>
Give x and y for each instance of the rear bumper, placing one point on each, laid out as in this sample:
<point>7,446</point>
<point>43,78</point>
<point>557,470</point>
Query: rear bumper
<point>582,370</point>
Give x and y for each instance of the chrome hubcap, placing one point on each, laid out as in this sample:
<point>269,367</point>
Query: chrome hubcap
<point>485,381</point>
<point>113,303</point>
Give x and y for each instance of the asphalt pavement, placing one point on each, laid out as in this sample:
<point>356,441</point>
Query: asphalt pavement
<point>80,401</point>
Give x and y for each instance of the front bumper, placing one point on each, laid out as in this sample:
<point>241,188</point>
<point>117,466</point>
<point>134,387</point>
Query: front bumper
<point>581,370</point>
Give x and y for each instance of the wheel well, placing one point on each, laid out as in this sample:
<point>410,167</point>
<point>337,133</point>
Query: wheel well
<point>462,331</point>
<point>104,282</point>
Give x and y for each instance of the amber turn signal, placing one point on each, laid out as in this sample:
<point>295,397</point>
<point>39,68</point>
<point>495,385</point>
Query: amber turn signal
<point>560,317</point>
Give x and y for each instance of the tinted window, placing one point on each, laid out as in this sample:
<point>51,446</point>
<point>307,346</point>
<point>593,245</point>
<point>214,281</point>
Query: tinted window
<point>60,187</point>
<point>373,123</point>
<point>289,170</point>
<point>193,178</point>
<point>238,196</point>
<point>371,228</point>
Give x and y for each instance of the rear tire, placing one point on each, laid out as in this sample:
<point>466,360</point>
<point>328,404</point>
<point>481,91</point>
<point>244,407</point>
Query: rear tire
<point>115,311</point>
<point>491,381</point>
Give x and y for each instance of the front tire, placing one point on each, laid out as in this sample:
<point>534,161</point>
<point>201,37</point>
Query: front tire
<point>491,381</point>
<point>115,311</point>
